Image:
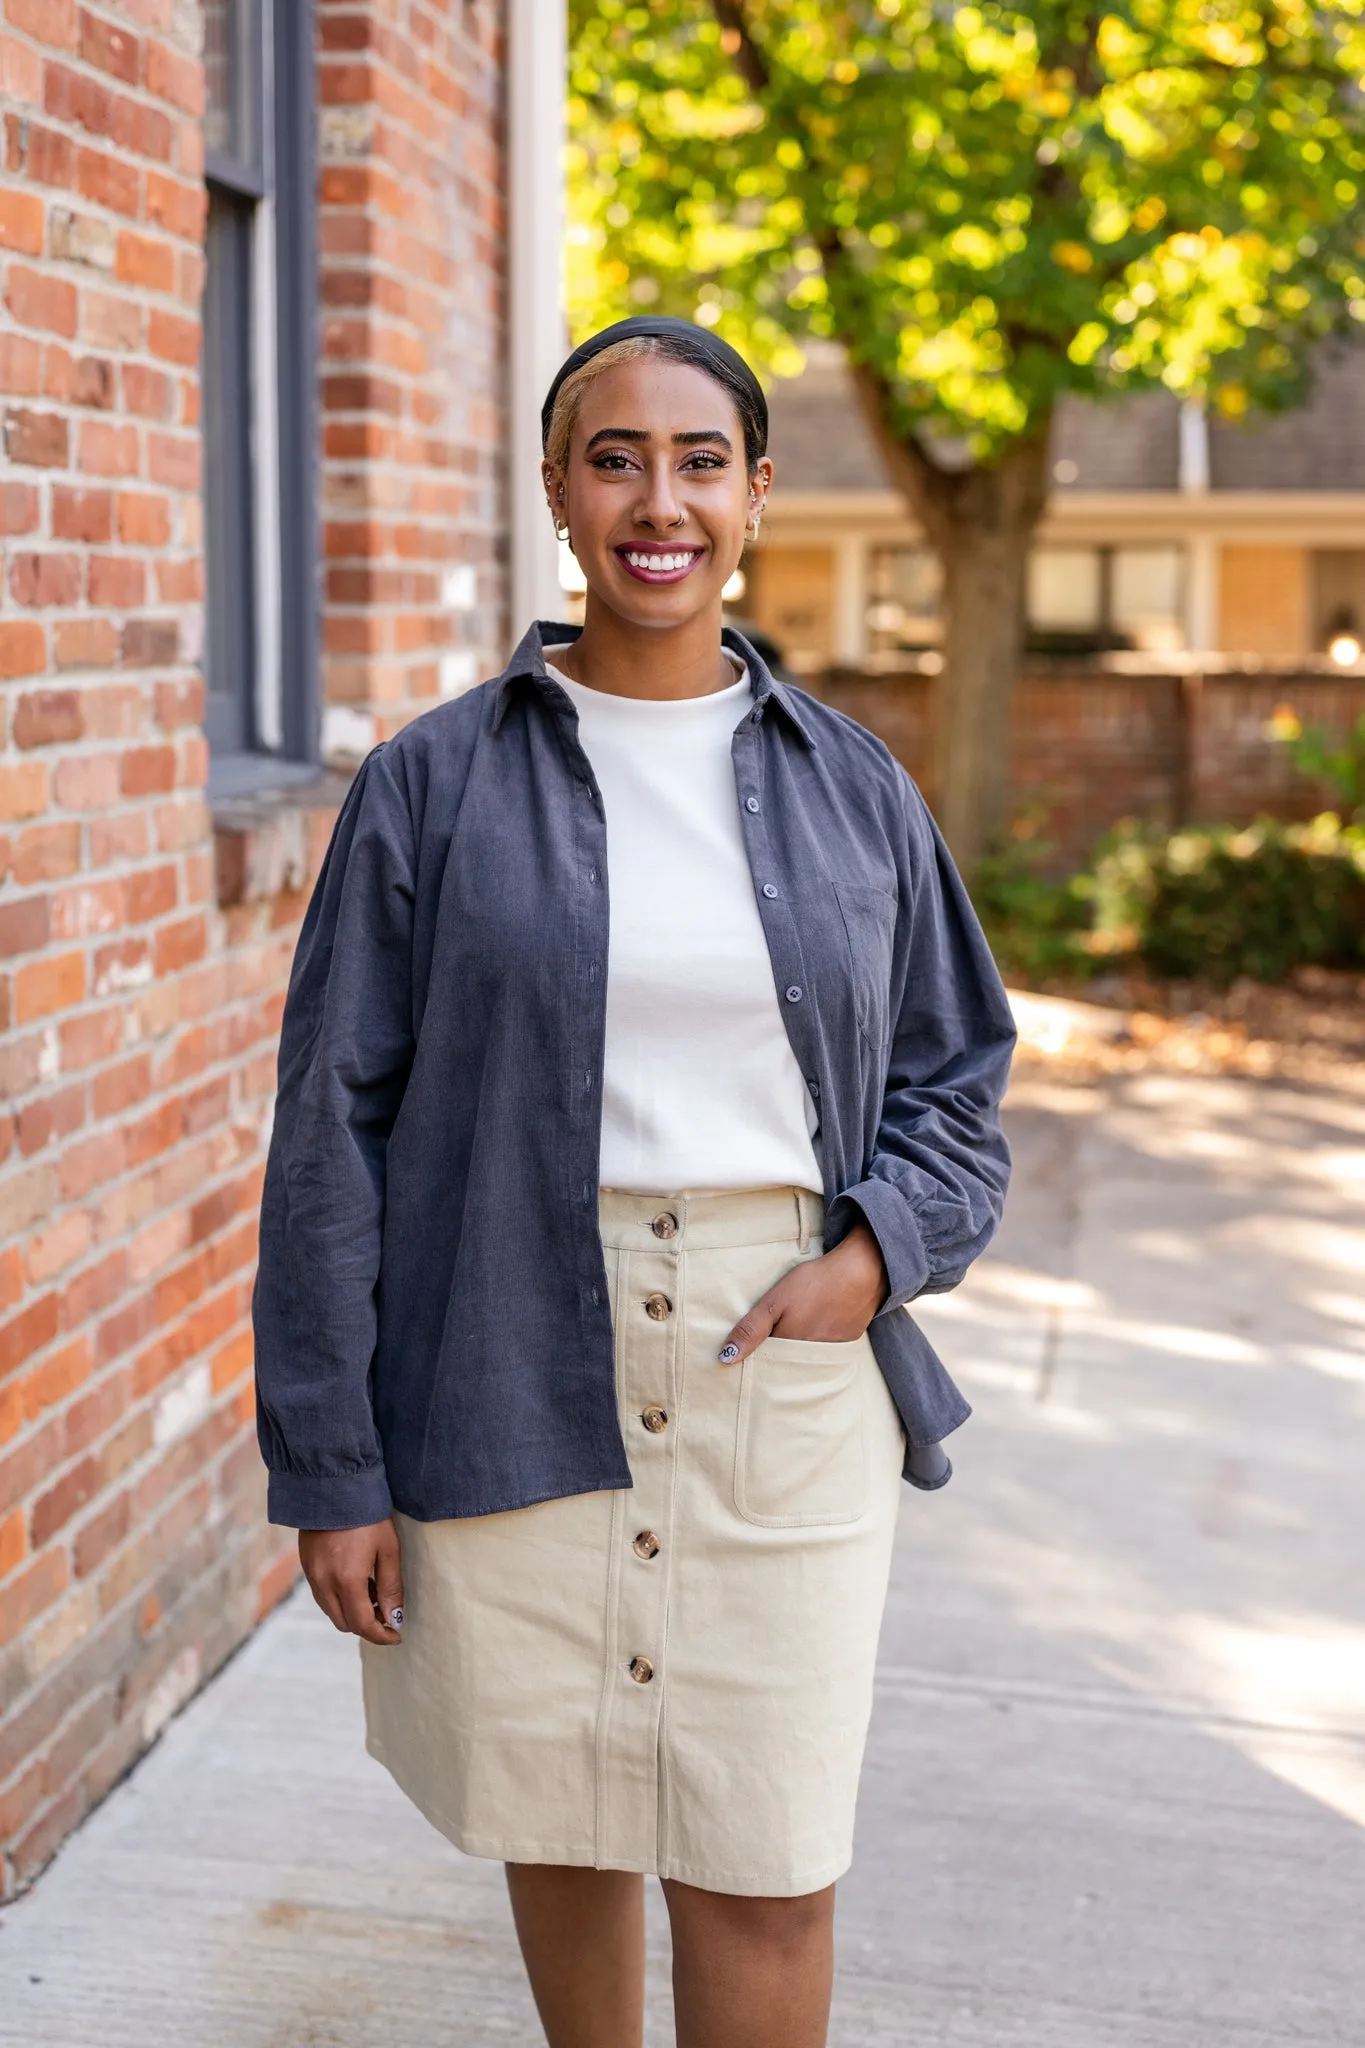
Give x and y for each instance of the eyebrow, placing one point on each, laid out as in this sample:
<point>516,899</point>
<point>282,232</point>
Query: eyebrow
<point>693,440</point>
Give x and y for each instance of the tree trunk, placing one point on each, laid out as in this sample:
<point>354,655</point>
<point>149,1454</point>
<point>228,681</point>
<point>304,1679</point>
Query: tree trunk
<point>984,543</point>
<point>981,521</point>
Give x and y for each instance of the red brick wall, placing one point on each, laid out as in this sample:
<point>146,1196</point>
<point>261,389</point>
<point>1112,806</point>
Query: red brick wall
<point>144,953</point>
<point>1091,748</point>
<point>411,236</point>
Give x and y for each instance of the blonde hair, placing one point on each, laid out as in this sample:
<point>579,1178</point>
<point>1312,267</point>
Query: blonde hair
<point>569,398</point>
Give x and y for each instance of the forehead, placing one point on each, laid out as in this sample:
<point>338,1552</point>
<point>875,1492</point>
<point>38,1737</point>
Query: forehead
<point>658,396</point>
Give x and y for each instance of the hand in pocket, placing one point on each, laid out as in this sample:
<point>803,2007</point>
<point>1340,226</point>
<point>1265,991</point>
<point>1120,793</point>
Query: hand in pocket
<point>829,1300</point>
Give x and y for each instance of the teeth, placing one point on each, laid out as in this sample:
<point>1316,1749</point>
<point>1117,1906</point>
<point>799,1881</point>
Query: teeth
<point>661,564</point>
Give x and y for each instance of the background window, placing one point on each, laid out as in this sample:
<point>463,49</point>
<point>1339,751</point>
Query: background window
<point>1083,599</point>
<point>259,402</point>
<point>904,589</point>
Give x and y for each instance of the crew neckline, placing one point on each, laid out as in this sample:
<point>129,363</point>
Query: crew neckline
<point>731,694</point>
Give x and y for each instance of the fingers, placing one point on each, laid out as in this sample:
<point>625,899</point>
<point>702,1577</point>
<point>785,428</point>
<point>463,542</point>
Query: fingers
<point>388,1579</point>
<point>346,1569</point>
<point>751,1329</point>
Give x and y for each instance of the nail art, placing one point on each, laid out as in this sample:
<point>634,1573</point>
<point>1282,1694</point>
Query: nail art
<point>395,1617</point>
<point>728,1353</point>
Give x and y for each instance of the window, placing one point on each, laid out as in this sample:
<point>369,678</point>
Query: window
<point>259,406</point>
<point>1083,599</point>
<point>904,600</point>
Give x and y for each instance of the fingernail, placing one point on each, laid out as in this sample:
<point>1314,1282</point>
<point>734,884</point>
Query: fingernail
<point>728,1353</point>
<point>395,1617</point>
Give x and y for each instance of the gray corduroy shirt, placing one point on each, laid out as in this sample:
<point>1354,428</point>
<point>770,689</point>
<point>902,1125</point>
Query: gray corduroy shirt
<point>432,1323</point>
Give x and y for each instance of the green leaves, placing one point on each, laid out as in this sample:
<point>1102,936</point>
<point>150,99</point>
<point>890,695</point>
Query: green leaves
<point>987,204</point>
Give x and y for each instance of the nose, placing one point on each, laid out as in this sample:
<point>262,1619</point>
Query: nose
<point>657,506</point>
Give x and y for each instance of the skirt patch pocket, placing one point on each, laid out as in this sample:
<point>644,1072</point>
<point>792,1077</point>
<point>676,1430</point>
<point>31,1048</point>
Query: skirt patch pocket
<point>801,1452</point>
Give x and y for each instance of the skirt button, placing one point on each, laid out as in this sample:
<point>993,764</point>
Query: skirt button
<point>665,1225</point>
<point>641,1670</point>
<point>658,1308</point>
<point>655,1419</point>
<point>646,1544</point>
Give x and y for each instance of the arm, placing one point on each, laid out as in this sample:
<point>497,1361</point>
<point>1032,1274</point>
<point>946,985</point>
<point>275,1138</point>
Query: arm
<point>345,1051</point>
<point>935,1184</point>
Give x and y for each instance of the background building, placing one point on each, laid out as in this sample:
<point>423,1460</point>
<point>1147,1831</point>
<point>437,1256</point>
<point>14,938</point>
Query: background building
<point>254,514</point>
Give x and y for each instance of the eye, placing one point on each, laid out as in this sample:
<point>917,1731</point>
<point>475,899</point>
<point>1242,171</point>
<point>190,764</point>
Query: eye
<point>705,458</point>
<point>612,460</point>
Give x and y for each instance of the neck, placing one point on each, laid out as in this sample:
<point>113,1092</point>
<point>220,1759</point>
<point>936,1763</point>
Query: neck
<point>625,660</point>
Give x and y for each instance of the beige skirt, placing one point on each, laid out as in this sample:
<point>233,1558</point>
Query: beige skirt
<point>675,1678</point>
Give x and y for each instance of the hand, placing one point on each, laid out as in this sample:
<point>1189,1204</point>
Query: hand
<point>357,1579</point>
<point>830,1300</point>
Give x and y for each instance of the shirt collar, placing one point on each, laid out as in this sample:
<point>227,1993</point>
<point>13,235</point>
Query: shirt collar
<point>528,666</point>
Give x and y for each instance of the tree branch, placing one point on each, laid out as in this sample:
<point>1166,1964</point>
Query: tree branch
<point>750,61</point>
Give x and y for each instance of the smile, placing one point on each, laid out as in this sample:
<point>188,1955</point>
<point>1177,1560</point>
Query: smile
<point>659,565</point>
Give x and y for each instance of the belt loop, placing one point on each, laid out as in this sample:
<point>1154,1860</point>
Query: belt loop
<point>802,1226</point>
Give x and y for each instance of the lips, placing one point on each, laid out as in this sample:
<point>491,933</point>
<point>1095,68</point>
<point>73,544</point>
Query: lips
<point>658,565</point>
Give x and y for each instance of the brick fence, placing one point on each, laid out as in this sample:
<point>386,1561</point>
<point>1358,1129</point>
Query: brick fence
<point>1090,747</point>
<point>144,942</point>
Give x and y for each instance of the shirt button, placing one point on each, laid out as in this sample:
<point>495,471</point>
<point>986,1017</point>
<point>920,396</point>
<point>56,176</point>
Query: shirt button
<point>655,1419</point>
<point>751,803</point>
<point>814,1087</point>
<point>646,1544</point>
<point>769,891</point>
<point>793,994</point>
<point>641,1670</point>
<point>658,1308</point>
<point>664,1224</point>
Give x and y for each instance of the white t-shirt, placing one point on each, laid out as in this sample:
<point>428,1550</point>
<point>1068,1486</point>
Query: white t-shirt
<point>701,1088</point>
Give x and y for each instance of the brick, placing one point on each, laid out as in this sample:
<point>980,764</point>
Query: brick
<point>108,181</point>
<point>46,853</point>
<point>19,508</point>
<point>150,893</point>
<point>52,1117</point>
<point>35,298</point>
<point>93,907</point>
<point>176,79</point>
<point>122,1087</point>
<point>82,515</point>
<point>78,380</point>
<point>179,208</point>
<point>109,48</point>
<point>119,581</point>
<point>48,985</point>
<point>21,222</point>
<point>44,156</point>
<point>13,1542</point>
<point>81,238</point>
<point>39,438</point>
<point>53,1509</point>
<point>143,521</point>
<point>149,643</point>
<point>179,582</point>
<point>41,580</point>
<point>181,945</point>
<point>21,72</point>
<point>172,339</point>
<point>23,651</point>
<point>85,1166</point>
<point>51,1251</point>
<point>57,1377</point>
<point>148,393</point>
<point>48,718</point>
<point>92,1290</point>
<point>32,1593</point>
<point>108,450</point>
<point>21,365</point>
<point>24,925</point>
<point>48,21</point>
<point>112,320</point>
<point>173,459</point>
<point>27,1333</point>
<point>145,261</point>
<point>101,1535</point>
<point>84,643</point>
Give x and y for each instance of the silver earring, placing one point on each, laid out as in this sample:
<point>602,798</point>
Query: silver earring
<point>751,530</point>
<point>561,529</point>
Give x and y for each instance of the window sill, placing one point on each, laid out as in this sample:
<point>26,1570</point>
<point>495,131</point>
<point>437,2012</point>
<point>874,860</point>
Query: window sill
<point>264,824</point>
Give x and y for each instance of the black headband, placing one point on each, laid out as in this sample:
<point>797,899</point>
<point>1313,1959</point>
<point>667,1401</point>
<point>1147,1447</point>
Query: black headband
<point>658,327</point>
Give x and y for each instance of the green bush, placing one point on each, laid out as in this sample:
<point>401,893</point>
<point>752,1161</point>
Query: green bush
<point>1212,903</point>
<point>1034,924</point>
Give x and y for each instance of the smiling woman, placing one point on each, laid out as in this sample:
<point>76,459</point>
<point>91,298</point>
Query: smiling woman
<point>586,1237</point>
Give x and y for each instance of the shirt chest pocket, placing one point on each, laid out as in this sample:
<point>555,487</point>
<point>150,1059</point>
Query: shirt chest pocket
<point>869,920</point>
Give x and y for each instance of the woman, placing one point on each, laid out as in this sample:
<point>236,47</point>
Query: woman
<point>561,1353</point>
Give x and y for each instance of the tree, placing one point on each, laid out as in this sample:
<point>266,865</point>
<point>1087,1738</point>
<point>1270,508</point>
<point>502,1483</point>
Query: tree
<point>988,207</point>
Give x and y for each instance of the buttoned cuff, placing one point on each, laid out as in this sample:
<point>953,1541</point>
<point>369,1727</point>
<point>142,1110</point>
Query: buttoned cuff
<point>332,1500</point>
<point>889,1218</point>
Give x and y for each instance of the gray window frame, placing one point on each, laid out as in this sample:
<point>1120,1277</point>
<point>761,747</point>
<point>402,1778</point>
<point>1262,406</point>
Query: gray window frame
<point>275,59</point>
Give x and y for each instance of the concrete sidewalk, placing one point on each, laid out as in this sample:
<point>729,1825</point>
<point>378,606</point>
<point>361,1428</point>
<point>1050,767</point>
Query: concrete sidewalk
<point>1115,1794</point>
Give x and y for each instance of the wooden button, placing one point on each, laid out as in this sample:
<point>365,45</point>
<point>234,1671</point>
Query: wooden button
<point>658,1308</point>
<point>654,1419</point>
<point>641,1670</point>
<point>646,1544</point>
<point>665,1225</point>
